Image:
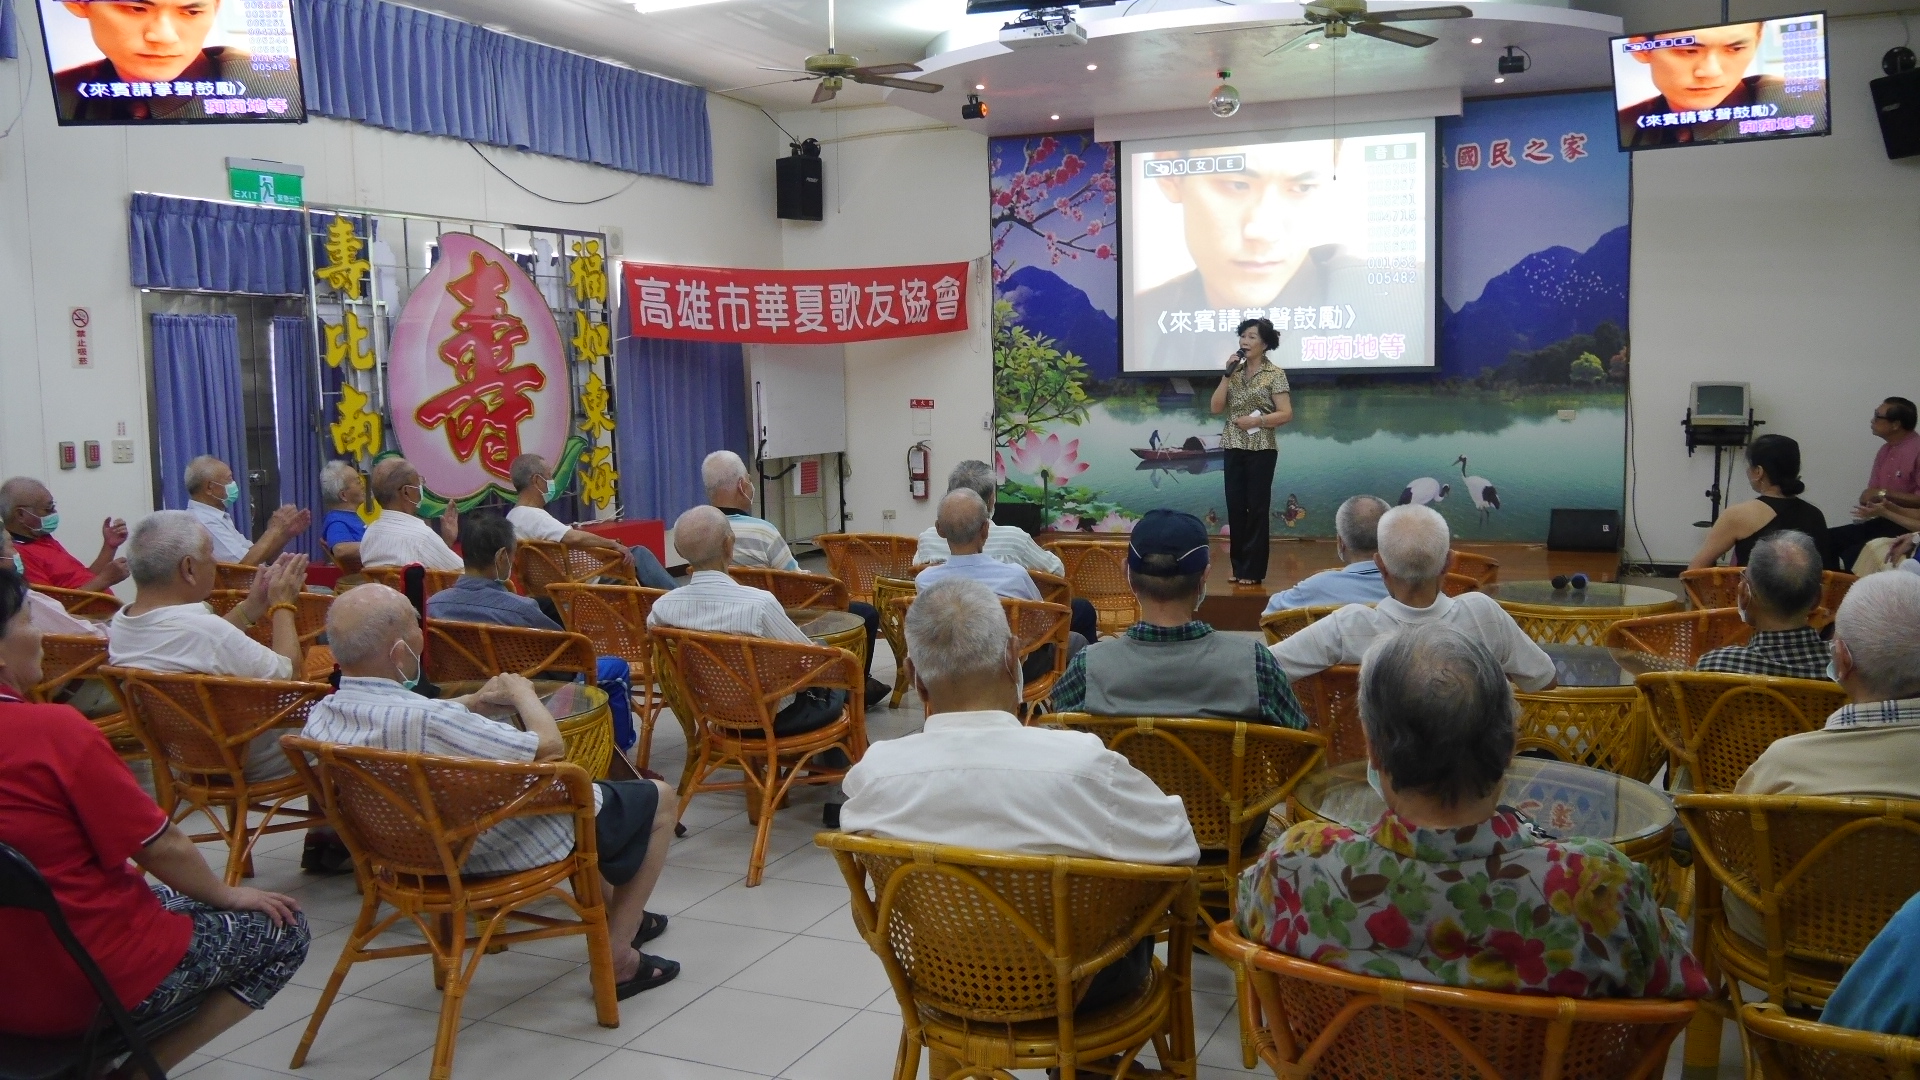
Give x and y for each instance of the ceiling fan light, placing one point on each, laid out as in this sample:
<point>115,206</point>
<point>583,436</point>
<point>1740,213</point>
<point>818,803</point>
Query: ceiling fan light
<point>1313,44</point>
<point>1477,40</point>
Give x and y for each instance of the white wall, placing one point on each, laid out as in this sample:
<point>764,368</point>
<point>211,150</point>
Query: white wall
<point>902,189</point>
<point>1794,266</point>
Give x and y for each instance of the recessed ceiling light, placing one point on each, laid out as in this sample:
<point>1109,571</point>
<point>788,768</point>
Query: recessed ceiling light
<point>1093,67</point>
<point>980,86</point>
<point>1056,116</point>
<point>1313,45</point>
<point>1498,79</point>
<point>1477,41</point>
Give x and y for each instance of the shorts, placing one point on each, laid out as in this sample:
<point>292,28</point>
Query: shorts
<point>624,826</point>
<point>244,953</point>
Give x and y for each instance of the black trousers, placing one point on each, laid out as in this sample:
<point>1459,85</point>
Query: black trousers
<point>1249,481</point>
<point>1845,541</point>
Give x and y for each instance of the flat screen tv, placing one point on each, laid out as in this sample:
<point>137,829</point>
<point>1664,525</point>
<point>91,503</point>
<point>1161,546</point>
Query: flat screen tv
<point>1734,82</point>
<point>139,62</point>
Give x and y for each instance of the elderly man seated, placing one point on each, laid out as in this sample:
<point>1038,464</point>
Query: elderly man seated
<point>1413,555</point>
<point>534,489</point>
<point>27,510</point>
<point>342,490</point>
<point>79,818</point>
<point>211,494</point>
<point>398,537</point>
<point>975,777</point>
<point>376,637</point>
<point>964,523</point>
<point>1170,663</point>
<point>168,627</point>
<point>1779,588</point>
<point>91,697</point>
<point>1005,543</point>
<point>1356,527</point>
<point>1571,916</point>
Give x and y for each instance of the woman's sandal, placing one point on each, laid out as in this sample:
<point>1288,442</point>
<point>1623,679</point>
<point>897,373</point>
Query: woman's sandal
<point>654,971</point>
<point>652,925</point>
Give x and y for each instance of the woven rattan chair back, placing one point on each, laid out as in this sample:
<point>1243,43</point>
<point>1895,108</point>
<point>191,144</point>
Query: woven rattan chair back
<point>1676,641</point>
<point>1833,590</point>
<point>1716,725</point>
<point>464,650</point>
<point>1331,700</point>
<point>737,683</point>
<point>1287,622</point>
<point>1036,625</point>
<point>1054,589</point>
<point>540,563</point>
<point>68,658</point>
<point>859,559</point>
<point>1482,569</point>
<point>891,596</point>
<point>1454,584</point>
<point>1097,570</point>
<point>984,940</point>
<point>614,619</point>
<point>309,617</point>
<point>1322,1022</point>
<point>1712,586</point>
<point>390,576</point>
<point>82,604</point>
<point>232,576</point>
<point>1789,1049</point>
<point>795,589</point>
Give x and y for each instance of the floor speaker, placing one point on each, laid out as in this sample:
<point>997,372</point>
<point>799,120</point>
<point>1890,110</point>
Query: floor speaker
<point>1583,530</point>
<point>802,196</point>
<point>1896,103</point>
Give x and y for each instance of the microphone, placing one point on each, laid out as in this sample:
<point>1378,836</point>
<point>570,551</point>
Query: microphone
<point>1239,361</point>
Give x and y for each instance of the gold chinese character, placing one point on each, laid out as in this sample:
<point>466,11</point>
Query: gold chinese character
<point>597,480</point>
<point>591,340</point>
<point>358,432</point>
<point>594,401</point>
<point>347,269</point>
<point>587,272</point>
<point>347,343</point>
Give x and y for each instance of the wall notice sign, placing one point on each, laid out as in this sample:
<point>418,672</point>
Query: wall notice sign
<point>267,183</point>
<point>920,403</point>
<point>82,348</point>
<point>922,415</point>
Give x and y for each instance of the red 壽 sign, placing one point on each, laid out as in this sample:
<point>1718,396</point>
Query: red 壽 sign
<point>795,307</point>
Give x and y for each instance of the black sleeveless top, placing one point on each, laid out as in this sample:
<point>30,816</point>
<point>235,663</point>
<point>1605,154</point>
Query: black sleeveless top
<point>1788,513</point>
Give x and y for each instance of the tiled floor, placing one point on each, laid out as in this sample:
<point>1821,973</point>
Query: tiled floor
<point>774,982</point>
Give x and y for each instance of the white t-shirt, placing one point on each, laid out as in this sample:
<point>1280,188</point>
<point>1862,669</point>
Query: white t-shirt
<point>49,616</point>
<point>534,523</point>
<point>189,639</point>
<point>230,545</point>
<point>1344,636</point>
<point>397,539</point>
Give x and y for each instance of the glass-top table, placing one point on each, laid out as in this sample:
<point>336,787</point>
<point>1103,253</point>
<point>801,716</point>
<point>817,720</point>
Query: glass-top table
<point>579,711</point>
<point>1577,616</point>
<point>1594,715</point>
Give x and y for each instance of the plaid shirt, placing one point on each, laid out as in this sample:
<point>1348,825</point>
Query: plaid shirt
<point>1875,713</point>
<point>1788,654</point>
<point>1277,703</point>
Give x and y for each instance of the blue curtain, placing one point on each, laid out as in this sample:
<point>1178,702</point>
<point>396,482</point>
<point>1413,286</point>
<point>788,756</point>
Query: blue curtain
<point>297,426</point>
<point>198,407</point>
<point>217,247</point>
<point>676,402</point>
<point>408,70</point>
<point>8,48</point>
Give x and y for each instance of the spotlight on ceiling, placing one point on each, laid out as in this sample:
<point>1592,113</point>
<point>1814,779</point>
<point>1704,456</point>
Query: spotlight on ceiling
<point>980,86</point>
<point>1093,67</point>
<point>1313,44</point>
<point>1499,79</point>
<point>1225,100</point>
<point>974,109</point>
<point>1477,40</point>
<point>1055,116</point>
<point>1515,61</point>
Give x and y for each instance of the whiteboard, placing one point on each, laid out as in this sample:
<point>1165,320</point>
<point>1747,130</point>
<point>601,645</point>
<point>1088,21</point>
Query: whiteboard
<point>799,398</point>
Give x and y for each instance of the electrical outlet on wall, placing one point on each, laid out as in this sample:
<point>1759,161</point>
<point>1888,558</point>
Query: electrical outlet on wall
<point>886,515</point>
<point>123,451</point>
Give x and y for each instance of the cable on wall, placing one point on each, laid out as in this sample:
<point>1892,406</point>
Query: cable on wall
<point>548,198</point>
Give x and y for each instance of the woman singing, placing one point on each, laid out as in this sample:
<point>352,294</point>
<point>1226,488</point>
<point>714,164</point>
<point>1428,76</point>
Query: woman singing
<point>1255,398</point>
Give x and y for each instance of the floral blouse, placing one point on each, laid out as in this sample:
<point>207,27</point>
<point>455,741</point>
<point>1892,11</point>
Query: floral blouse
<point>1495,906</point>
<point>1245,393</point>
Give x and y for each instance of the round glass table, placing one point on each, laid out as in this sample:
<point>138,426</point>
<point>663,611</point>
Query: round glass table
<point>1577,616</point>
<point>1594,715</point>
<point>839,629</point>
<point>579,710</point>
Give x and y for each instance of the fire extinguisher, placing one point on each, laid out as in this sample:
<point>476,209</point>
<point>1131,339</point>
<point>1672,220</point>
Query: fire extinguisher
<point>918,464</point>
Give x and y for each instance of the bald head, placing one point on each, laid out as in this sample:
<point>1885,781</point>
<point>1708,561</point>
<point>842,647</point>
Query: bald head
<point>963,521</point>
<point>364,623</point>
<point>392,475</point>
<point>704,538</point>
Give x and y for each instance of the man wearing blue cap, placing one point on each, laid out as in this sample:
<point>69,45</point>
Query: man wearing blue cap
<point>1170,663</point>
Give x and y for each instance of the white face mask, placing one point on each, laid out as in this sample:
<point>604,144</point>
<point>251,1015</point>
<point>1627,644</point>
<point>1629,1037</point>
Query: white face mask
<point>415,681</point>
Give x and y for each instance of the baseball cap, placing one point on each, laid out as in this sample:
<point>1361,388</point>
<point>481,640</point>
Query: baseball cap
<point>1168,532</point>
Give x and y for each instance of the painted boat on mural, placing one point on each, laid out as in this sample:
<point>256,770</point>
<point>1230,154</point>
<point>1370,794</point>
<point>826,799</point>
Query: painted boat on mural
<point>1193,449</point>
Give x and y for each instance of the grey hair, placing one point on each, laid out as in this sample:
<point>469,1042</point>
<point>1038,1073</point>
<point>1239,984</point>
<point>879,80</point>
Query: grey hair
<point>1438,712</point>
<point>1783,571</point>
<point>1413,544</point>
<point>390,475</point>
<point>1358,524</point>
<point>975,476</point>
<point>365,621</point>
<point>160,541</point>
<point>335,475</point>
<point>524,469</point>
<point>15,491</point>
<point>721,470</point>
<point>1876,622</point>
<point>957,633</point>
<point>201,471</point>
<point>963,514</point>
<point>700,534</point>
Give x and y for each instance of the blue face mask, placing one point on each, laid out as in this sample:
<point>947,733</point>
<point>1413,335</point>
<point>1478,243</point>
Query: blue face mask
<point>1373,781</point>
<point>233,492</point>
<point>19,565</point>
<point>1832,672</point>
<point>415,681</point>
<point>554,490</point>
<point>49,521</point>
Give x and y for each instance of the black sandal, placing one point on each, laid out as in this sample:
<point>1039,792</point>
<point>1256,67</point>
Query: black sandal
<point>652,925</point>
<point>654,971</point>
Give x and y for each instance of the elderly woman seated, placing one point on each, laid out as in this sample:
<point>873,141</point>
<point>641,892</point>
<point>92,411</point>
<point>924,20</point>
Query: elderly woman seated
<point>1449,886</point>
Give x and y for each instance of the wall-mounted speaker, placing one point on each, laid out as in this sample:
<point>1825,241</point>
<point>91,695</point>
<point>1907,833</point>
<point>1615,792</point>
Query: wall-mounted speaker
<point>1896,104</point>
<point>801,192</point>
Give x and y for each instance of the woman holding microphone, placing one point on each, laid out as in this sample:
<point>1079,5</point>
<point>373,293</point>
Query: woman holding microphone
<point>1255,397</point>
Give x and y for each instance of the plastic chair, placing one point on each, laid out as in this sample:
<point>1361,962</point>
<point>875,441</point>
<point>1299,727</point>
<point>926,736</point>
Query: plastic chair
<point>1482,569</point>
<point>1715,725</point>
<point>1054,589</point>
<point>988,953</point>
<point>1319,1021</point>
<point>410,822</point>
<point>540,563</point>
<point>197,729</point>
<point>795,589</point>
<point>82,604</point>
<point>1287,622</point>
<point>113,1031</point>
<point>1785,1048</point>
<point>614,619</point>
<point>1679,639</point>
<point>888,593</point>
<point>1331,700</point>
<point>1036,625</point>
<point>733,686</point>
<point>1097,570</point>
<point>860,558</point>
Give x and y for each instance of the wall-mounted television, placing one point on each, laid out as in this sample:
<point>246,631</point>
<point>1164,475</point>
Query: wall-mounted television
<point>1733,82</point>
<point>138,62</point>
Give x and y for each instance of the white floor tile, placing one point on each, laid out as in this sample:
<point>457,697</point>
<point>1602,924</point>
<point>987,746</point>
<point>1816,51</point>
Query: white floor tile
<point>681,887</point>
<point>816,969</point>
<point>360,1040</point>
<point>865,1046</point>
<point>711,1031</point>
<point>324,952</point>
<point>837,925</point>
<point>774,904</point>
<point>564,1007</point>
<point>710,953</point>
<point>501,979</point>
<point>292,1005</point>
<point>223,1069</point>
<point>492,1052</point>
<point>629,1065</point>
<point>811,863</point>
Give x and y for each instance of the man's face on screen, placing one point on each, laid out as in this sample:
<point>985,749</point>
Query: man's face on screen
<point>148,40</point>
<point>1701,75</point>
<point>1248,231</point>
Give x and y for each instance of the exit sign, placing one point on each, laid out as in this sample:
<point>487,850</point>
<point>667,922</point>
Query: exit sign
<point>266,183</point>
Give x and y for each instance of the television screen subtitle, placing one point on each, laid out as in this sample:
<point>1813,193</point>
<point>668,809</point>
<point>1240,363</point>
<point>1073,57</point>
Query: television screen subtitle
<point>182,89</point>
<point>1226,320</point>
<point>1725,113</point>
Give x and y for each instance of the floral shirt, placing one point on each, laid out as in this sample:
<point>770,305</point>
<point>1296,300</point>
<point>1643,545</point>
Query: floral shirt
<point>1246,391</point>
<point>1495,906</point>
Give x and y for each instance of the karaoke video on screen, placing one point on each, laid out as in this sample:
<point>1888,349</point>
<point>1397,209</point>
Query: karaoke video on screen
<point>172,61</point>
<point>1736,82</point>
<point>1327,237</point>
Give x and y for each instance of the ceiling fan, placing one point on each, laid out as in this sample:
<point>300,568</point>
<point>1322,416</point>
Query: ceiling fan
<point>833,69</point>
<point>1335,19</point>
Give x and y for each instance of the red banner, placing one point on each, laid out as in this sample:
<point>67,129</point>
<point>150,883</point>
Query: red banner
<point>795,307</point>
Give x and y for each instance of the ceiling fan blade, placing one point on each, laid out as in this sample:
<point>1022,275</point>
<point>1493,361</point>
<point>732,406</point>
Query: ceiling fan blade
<point>824,92</point>
<point>886,69</point>
<point>1298,40</point>
<point>1394,34</point>
<point>758,85</point>
<point>1257,26</point>
<point>896,84</point>
<point>1451,11</point>
<point>790,71</point>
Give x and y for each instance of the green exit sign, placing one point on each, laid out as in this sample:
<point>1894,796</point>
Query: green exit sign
<point>268,183</point>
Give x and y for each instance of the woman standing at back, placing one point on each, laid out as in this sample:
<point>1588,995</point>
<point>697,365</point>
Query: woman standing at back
<point>1773,470</point>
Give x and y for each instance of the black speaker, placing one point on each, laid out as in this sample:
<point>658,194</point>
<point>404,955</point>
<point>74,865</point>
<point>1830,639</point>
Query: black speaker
<point>1022,516</point>
<point>802,196</point>
<point>1583,530</point>
<point>1896,102</point>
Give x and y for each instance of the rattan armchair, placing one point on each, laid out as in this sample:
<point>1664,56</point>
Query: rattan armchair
<point>1097,570</point>
<point>230,576</point>
<point>988,954</point>
<point>67,659</point>
<point>540,563</point>
<point>859,559</point>
<point>1676,641</point>
<point>1454,584</point>
<point>1054,589</point>
<point>1287,622</point>
<point>733,687</point>
<point>410,821</point>
<point>1036,625</point>
<point>1320,1021</point>
<point>1331,700</point>
<point>464,650</point>
<point>1718,586</point>
<point>613,618</point>
<point>309,617</point>
<point>795,589</point>
<point>1715,726</point>
<point>198,730</point>
<point>1482,569</point>
<point>1785,1048</point>
<point>891,597</point>
<point>82,604</point>
<point>390,576</point>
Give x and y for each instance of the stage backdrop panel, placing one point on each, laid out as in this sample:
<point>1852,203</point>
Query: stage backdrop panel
<point>1530,387</point>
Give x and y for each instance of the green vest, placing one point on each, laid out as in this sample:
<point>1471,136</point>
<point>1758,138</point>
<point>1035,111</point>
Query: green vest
<point>1210,678</point>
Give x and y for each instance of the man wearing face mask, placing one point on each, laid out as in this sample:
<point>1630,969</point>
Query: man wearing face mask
<point>1779,588</point>
<point>28,510</point>
<point>398,537</point>
<point>534,488</point>
<point>212,493</point>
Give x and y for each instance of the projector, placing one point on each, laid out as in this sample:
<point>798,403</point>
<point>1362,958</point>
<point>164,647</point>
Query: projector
<point>1049,26</point>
